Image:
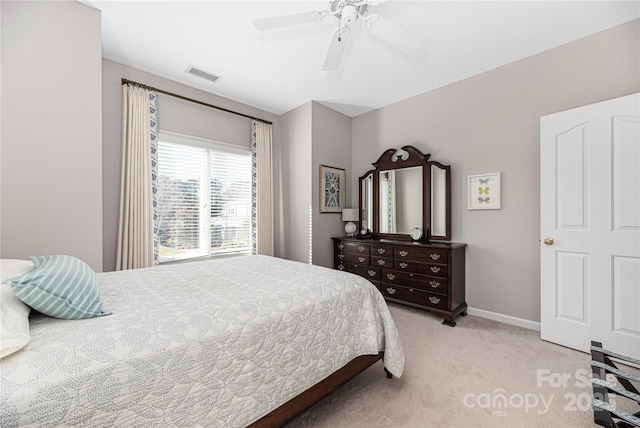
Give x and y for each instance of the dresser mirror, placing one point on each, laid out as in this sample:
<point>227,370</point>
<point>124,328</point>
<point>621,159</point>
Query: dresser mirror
<point>405,191</point>
<point>366,201</point>
<point>401,205</point>
<point>440,201</point>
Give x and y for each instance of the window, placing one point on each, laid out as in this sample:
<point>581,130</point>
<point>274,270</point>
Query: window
<point>203,198</point>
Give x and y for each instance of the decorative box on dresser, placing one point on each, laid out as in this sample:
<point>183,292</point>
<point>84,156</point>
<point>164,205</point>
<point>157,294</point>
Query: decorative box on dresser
<point>424,275</point>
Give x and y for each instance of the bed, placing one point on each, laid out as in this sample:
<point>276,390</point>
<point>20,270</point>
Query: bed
<point>223,343</point>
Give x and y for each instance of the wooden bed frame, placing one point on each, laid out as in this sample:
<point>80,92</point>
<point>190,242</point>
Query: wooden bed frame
<point>297,405</point>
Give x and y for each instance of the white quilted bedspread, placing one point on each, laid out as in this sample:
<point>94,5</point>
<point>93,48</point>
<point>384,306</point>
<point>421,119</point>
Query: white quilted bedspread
<point>216,344</point>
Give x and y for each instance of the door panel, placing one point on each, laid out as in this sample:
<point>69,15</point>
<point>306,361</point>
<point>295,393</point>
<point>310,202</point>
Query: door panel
<point>590,207</point>
<point>626,173</point>
<point>570,169</point>
<point>626,296</point>
<point>572,287</point>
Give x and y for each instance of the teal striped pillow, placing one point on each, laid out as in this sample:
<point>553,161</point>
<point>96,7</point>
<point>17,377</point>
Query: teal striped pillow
<point>61,287</point>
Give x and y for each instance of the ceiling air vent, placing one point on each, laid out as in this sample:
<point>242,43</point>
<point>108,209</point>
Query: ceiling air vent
<point>204,74</point>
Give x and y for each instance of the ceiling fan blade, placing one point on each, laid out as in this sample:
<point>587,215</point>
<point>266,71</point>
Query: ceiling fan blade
<point>371,2</point>
<point>287,20</point>
<point>394,35</point>
<point>336,49</point>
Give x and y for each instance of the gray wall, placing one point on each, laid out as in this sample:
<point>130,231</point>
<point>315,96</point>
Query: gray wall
<point>331,145</point>
<point>312,135</point>
<point>490,123</point>
<point>296,182</point>
<point>51,168</point>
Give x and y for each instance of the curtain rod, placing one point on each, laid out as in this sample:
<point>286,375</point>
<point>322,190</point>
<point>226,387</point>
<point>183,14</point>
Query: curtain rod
<point>151,88</point>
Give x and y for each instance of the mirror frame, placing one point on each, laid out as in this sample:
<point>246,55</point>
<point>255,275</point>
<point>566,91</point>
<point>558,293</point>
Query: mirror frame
<point>392,159</point>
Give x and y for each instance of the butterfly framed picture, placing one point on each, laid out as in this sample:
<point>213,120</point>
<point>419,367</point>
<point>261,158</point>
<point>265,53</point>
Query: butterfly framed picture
<point>484,191</point>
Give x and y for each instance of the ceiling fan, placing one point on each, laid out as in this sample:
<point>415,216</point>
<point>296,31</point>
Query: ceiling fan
<point>347,13</point>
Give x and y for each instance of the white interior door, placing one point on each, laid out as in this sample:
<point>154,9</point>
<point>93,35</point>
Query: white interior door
<point>590,226</point>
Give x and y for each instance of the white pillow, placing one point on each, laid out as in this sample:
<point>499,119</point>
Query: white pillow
<point>14,315</point>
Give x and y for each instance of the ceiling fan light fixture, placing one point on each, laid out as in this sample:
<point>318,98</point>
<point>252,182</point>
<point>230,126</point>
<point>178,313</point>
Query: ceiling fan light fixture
<point>349,14</point>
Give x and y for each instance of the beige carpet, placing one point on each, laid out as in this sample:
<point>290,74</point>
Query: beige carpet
<point>481,373</point>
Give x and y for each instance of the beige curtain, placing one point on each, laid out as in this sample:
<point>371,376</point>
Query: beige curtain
<point>136,228</point>
<point>264,187</point>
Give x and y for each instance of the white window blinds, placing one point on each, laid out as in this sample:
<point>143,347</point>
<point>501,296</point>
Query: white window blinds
<point>204,197</point>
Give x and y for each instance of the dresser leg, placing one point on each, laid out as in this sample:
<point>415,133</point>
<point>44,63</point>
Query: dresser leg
<point>448,320</point>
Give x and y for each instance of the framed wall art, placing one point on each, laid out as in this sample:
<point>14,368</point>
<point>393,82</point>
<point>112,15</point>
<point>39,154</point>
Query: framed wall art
<point>332,189</point>
<point>484,191</point>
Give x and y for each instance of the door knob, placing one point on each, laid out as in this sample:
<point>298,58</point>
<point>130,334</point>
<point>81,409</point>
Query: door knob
<point>548,241</point>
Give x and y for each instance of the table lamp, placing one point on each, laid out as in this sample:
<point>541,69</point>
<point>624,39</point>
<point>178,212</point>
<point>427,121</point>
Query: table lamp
<point>350,215</point>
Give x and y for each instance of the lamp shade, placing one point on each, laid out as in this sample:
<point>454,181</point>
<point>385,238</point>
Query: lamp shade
<point>350,214</point>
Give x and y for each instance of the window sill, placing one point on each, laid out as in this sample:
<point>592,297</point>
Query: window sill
<point>205,258</point>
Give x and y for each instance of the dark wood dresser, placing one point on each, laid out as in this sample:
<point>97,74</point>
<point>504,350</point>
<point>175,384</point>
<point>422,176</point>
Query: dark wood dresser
<point>428,276</point>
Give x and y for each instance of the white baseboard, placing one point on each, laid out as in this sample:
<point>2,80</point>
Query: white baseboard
<point>507,319</point>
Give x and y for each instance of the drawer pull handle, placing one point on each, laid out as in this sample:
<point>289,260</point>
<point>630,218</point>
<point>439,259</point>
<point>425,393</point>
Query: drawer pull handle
<point>381,262</point>
<point>391,290</point>
<point>434,300</point>
<point>403,265</point>
<point>434,284</point>
<point>341,246</point>
<point>435,269</point>
<point>403,253</point>
<point>361,249</point>
<point>381,250</point>
<point>361,259</point>
<point>434,256</point>
<point>341,266</point>
<point>341,256</point>
<point>391,276</point>
<point>372,273</point>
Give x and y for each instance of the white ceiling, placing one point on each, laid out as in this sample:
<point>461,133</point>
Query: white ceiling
<point>279,70</point>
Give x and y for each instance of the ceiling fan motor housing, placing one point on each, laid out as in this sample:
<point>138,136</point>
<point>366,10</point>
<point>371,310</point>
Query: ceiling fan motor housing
<point>347,11</point>
<point>349,14</point>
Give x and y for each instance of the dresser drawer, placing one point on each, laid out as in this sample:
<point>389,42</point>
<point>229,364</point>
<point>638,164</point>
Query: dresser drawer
<point>421,267</point>
<point>356,247</point>
<point>409,279</point>
<point>385,262</point>
<point>413,295</point>
<point>382,250</point>
<point>362,259</point>
<point>421,254</point>
<point>437,285</point>
<point>369,272</point>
